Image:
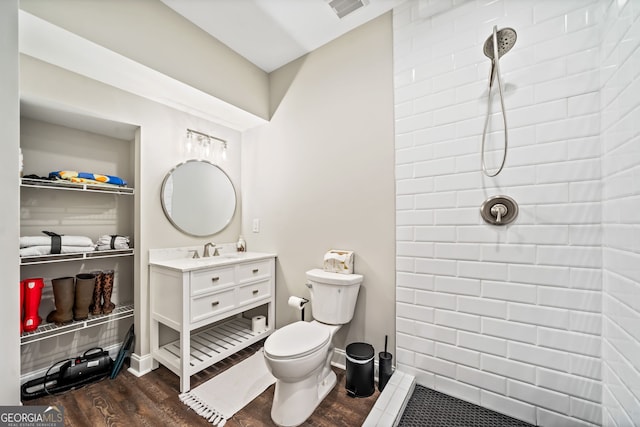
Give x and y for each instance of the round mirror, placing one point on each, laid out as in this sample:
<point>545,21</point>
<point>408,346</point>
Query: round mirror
<point>198,198</point>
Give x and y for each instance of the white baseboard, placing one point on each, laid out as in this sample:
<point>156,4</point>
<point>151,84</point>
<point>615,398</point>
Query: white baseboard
<point>339,359</point>
<point>141,365</point>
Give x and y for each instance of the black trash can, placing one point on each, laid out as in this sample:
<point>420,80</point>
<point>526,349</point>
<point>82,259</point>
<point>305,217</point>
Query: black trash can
<point>359,382</point>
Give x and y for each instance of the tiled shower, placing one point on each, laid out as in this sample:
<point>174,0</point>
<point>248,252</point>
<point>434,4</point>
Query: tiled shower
<point>539,319</point>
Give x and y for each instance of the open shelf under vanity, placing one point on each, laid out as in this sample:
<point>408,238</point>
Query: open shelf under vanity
<point>211,345</point>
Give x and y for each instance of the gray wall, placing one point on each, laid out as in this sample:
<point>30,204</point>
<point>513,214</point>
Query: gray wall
<point>9,142</point>
<point>320,174</point>
<point>150,33</point>
<point>161,131</point>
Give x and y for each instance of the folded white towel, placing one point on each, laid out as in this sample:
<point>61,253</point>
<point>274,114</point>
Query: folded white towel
<point>107,242</point>
<point>27,241</point>
<point>46,250</point>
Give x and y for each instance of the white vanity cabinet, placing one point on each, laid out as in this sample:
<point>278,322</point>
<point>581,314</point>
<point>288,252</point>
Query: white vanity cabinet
<point>204,301</point>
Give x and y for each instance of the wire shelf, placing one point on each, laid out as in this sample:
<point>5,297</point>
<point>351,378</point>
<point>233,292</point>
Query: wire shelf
<point>48,330</point>
<point>73,186</point>
<point>44,259</point>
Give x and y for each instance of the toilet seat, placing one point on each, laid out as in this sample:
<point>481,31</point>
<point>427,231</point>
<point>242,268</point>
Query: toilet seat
<point>295,340</point>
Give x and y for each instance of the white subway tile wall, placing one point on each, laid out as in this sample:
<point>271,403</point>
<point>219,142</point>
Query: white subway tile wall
<point>540,319</point>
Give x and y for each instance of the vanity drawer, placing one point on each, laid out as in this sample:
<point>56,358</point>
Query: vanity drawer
<point>248,293</point>
<point>212,304</point>
<point>254,271</point>
<point>207,280</point>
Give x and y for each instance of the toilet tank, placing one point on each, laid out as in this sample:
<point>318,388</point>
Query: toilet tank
<point>333,295</point>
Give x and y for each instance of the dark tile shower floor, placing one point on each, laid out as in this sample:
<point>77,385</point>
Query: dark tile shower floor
<point>427,408</point>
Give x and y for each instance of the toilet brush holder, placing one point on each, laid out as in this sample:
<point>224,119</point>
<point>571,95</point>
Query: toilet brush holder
<point>385,369</point>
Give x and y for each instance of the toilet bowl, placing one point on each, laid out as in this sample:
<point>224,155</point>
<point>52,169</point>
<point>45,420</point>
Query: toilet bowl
<point>299,355</point>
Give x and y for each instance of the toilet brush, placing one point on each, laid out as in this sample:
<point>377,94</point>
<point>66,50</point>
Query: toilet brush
<point>384,366</point>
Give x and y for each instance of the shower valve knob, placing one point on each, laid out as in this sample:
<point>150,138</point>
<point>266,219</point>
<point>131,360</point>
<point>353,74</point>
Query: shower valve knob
<point>499,210</point>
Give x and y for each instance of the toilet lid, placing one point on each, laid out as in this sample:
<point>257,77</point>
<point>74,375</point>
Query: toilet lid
<point>296,340</point>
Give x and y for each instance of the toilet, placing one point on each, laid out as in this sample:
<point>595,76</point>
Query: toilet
<point>299,355</point>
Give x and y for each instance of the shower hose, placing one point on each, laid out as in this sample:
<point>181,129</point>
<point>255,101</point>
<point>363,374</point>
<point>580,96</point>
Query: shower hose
<point>496,64</point>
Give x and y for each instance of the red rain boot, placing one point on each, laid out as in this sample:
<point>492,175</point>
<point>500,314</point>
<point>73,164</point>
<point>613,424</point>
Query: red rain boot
<point>32,294</point>
<point>21,306</point>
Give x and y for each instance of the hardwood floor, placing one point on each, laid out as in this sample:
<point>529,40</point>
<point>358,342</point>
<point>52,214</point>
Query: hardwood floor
<point>152,400</point>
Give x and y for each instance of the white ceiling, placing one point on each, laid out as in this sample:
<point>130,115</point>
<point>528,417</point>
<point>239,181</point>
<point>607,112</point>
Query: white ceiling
<point>271,33</point>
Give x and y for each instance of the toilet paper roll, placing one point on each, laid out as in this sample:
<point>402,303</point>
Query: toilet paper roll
<point>297,302</point>
<point>258,324</point>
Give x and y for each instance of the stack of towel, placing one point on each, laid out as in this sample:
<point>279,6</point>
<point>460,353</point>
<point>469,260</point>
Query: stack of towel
<point>53,243</point>
<point>88,178</point>
<point>114,241</point>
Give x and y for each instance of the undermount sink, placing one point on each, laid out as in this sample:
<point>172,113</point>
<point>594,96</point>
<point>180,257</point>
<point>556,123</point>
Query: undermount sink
<point>233,255</point>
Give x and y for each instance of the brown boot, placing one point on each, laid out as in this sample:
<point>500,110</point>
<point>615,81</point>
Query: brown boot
<point>96,303</point>
<point>107,305</point>
<point>64,295</point>
<point>85,283</point>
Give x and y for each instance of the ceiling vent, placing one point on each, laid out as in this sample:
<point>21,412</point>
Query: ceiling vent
<point>344,7</point>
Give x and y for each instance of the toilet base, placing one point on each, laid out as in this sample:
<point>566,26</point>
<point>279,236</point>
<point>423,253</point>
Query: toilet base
<point>293,403</point>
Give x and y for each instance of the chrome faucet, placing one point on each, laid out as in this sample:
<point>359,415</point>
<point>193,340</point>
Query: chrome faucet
<point>206,250</point>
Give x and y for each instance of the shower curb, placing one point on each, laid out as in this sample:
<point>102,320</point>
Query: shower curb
<point>391,403</point>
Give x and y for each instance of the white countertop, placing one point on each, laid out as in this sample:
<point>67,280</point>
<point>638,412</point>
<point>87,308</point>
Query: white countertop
<point>185,264</point>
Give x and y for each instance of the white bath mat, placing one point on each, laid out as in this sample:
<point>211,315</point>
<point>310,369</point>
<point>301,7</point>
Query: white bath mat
<point>222,396</point>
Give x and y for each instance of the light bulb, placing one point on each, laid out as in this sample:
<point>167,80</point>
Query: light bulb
<point>188,145</point>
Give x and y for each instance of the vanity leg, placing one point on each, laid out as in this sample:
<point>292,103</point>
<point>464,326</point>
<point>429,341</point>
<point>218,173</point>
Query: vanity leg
<point>271,315</point>
<point>185,357</point>
<point>154,331</point>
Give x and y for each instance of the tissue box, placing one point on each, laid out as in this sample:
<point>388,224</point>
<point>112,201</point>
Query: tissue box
<point>336,261</point>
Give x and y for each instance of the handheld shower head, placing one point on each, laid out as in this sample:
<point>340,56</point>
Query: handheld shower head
<point>498,43</point>
<point>506,39</point>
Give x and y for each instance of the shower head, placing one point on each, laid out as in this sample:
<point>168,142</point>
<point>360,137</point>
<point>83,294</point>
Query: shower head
<point>506,39</point>
<point>498,43</point>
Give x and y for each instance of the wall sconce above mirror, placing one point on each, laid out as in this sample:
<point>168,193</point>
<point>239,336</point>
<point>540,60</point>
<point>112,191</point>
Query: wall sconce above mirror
<point>205,146</point>
<point>198,198</point>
